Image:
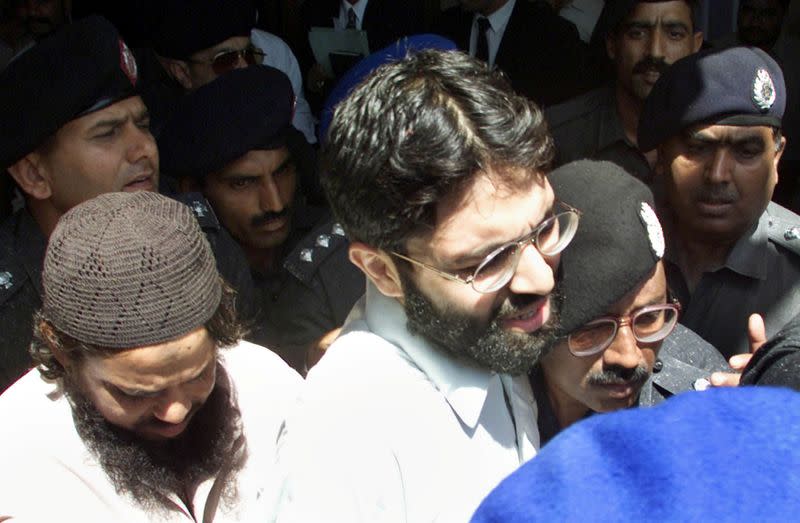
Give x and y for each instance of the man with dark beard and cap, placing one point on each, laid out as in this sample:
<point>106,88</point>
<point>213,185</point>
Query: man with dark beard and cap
<point>145,405</point>
<point>436,170</point>
<point>641,38</point>
<point>621,344</point>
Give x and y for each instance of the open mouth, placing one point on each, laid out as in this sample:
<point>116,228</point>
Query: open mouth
<point>142,182</point>
<point>531,318</point>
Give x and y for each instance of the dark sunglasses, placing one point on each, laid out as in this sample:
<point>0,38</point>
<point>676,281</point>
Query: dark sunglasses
<point>226,61</point>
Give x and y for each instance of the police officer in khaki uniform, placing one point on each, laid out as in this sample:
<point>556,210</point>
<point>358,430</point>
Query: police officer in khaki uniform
<point>715,120</point>
<point>232,140</point>
<point>79,130</point>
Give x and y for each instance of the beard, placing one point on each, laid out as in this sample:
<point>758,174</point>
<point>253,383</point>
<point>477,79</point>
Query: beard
<point>148,470</point>
<point>487,345</point>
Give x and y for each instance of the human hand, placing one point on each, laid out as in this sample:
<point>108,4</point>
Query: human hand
<point>757,334</point>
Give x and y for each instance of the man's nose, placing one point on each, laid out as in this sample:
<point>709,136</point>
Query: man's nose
<point>624,351</point>
<point>534,274</point>
<point>173,408</point>
<point>269,195</point>
<point>719,171</point>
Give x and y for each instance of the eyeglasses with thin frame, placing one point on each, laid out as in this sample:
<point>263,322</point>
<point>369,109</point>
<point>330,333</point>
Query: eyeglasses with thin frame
<point>550,237</point>
<point>226,61</point>
<point>649,325</point>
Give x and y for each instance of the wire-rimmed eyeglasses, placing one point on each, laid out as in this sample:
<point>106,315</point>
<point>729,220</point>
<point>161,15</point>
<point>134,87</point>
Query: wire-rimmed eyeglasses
<point>550,237</point>
<point>649,325</point>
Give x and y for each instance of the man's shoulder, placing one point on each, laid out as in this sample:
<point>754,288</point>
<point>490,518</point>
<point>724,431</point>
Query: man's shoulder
<point>578,110</point>
<point>201,209</point>
<point>325,244</point>
<point>246,360</point>
<point>783,228</point>
<point>13,274</point>
<point>685,345</point>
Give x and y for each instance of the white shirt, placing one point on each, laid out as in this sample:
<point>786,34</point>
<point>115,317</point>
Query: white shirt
<point>279,55</point>
<point>391,429</point>
<point>47,474</point>
<point>498,22</point>
<point>344,6</point>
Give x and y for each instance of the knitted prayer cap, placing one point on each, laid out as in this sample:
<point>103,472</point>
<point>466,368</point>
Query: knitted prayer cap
<point>127,270</point>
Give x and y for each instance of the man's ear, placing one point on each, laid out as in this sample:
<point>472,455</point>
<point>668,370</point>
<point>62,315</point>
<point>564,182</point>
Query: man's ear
<point>698,41</point>
<point>379,267</point>
<point>610,47</point>
<point>49,336</point>
<point>179,70</point>
<point>30,175</point>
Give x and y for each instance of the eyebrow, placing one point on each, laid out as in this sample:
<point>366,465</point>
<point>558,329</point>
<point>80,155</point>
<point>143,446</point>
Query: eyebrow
<point>486,251</point>
<point>642,24</point>
<point>736,140</point>
<point>139,115</point>
<point>144,393</point>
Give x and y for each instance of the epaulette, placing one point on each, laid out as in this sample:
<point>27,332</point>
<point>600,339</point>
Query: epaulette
<point>313,249</point>
<point>12,276</point>
<point>201,208</point>
<point>783,227</point>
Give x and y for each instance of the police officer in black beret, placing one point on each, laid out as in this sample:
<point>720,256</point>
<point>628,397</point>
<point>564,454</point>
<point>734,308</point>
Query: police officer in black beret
<point>619,342</point>
<point>715,121</point>
<point>231,140</point>
<point>76,128</point>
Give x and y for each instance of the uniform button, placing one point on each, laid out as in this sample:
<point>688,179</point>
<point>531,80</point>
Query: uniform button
<point>657,366</point>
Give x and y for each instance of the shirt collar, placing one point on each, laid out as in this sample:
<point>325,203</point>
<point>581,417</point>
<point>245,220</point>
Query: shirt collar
<point>499,19</point>
<point>749,255</point>
<point>359,7</point>
<point>465,387</point>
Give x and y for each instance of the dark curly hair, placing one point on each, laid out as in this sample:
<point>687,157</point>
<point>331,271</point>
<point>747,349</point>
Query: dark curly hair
<point>224,327</point>
<point>418,130</point>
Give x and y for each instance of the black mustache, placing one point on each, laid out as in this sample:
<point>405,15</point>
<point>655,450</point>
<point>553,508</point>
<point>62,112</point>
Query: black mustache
<point>269,216</point>
<point>718,194</point>
<point>650,63</point>
<point>616,375</point>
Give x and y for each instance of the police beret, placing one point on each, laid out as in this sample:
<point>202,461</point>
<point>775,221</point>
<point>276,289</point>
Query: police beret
<point>189,26</point>
<point>735,86</point>
<point>687,459</point>
<point>83,67</point>
<point>617,244</point>
<point>240,111</point>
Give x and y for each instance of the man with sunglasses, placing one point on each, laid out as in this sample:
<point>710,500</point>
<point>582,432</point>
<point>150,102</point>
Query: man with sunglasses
<point>198,41</point>
<point>621,344</point>
<point>436,170</point>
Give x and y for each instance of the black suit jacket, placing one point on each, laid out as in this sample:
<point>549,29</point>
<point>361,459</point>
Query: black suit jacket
<point>540,52</point>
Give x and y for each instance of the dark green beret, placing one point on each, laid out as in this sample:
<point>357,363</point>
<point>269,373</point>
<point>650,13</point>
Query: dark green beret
<point>83,67</point>
<point>617,244</point>
<point>735,86</point>
<point>240,111</point>
<point>189,26</point>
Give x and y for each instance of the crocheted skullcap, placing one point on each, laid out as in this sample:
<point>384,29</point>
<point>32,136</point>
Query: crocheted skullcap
<point>127,270</point>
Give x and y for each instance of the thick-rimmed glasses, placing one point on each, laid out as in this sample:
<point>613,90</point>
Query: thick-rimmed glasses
<point>649,325</point>
<point>225,61</point>
<point>550,237</point>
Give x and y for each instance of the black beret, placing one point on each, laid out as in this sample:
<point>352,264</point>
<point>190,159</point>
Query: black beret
<point>735,86</point>
<point>240,111</point>
<point>617,244</point>
<point>83,67</point>
<point>189,26</point>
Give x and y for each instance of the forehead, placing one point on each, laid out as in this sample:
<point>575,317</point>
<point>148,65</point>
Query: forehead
<point>131,106</point>
<point>729,132</point>
<point>156,366</point>
<point>490,210</point>
<point>257,161</point>
<point>653,12</point>
<point>649,292</point>
<point>233,43</point>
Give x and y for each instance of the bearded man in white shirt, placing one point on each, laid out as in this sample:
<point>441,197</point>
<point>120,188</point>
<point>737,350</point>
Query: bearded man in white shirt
<point>436,170</point>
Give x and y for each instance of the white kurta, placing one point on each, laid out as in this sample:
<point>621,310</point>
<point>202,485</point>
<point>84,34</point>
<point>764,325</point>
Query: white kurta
<point>47,474</point>
<point>389,428</point>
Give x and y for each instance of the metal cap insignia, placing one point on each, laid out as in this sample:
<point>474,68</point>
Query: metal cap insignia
<point>763,90</point>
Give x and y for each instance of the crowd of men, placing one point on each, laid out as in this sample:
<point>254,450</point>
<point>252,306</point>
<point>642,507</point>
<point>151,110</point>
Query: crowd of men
<point>221,302</point>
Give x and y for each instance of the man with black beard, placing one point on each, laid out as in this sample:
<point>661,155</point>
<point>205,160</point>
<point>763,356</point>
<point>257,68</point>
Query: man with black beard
<point>641,38</point>
<point>145,405</point>
<point>436,170</point>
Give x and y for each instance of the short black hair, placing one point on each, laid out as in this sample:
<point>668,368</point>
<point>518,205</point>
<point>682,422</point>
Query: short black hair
<point>419,129</point>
